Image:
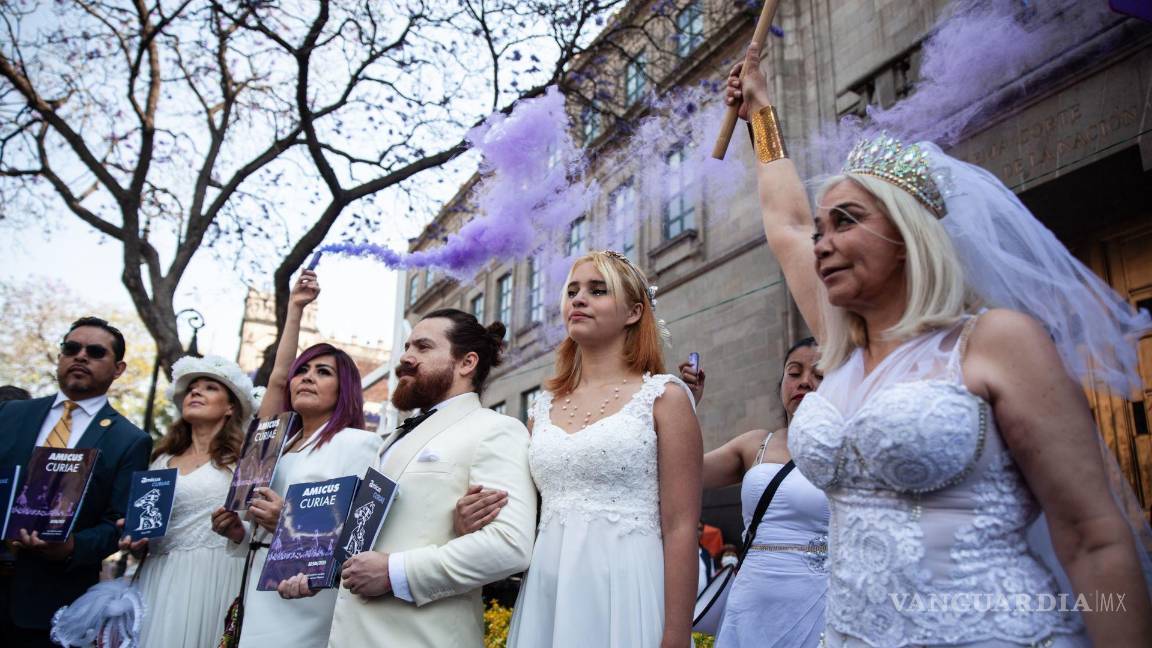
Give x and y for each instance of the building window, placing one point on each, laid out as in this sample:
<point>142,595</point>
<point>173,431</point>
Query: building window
<point>504,302</point>
<point>413,288</point>
<point>500,408</point>
<point>622,214</point>
<point>535,293</point>
<point>526,400</point>
<point>590,118</point>
<point>635,78</point>
<point>429,278</point>
<point>690,28</point>
<point>678,209</point>
<point>478,307</point>
<point>577,236</point>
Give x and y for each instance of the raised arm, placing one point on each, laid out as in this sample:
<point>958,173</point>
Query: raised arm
<point>304,292</point>
<point>1045,421</point>
<point>783,201</point>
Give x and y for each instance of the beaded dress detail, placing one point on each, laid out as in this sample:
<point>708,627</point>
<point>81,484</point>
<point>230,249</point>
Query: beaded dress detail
<point>929,514</point>
<point>597,572</point>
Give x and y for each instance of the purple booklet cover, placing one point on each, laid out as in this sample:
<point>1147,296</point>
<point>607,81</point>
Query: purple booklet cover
<point>258,457</point>
<point>52,494</point>
<point>308,533</point>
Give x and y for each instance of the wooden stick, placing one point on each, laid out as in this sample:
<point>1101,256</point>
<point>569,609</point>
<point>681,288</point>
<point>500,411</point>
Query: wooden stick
<point>763,24</point>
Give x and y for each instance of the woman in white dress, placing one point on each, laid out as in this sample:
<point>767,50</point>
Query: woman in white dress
<point>778,596</point>
<point>189,577</point>
<point>616,454</point>
<point>940,434</point>
<point>322,385</point>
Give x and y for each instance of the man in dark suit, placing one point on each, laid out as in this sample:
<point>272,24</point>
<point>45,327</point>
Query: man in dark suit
<point>48,575</point>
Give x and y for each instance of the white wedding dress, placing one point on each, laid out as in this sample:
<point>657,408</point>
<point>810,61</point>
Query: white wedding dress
<point>928,534</point>
<point>597,572</point>
<point>189,578</point>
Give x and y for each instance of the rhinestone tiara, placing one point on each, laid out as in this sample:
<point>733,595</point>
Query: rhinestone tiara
<point>907,167</point>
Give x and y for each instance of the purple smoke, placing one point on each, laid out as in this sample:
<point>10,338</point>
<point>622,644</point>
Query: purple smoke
<point>534,182</point>
<point>524,198</point>
<point>977,55</point>
<point>534,185</point>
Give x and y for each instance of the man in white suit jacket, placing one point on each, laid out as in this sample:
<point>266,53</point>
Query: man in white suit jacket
<point>420,585</point>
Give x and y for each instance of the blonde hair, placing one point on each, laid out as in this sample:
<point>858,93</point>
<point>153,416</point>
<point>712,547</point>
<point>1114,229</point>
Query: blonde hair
<point>642,351</point>
<point>937,293</point>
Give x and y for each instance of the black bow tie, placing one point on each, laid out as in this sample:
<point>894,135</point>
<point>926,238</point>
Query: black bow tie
<point>411,422</point>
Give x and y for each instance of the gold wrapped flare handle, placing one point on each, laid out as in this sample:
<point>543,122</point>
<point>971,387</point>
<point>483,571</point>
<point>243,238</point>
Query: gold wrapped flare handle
<point>766,136</point>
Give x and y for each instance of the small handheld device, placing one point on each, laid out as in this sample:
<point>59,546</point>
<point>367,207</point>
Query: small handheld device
<point>315,261</point>
<point>694,360</point>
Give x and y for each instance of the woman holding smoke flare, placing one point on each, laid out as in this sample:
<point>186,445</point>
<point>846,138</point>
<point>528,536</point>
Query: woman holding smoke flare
<point>953,329</point>
<point>322,385</point>
<point>778,596</point>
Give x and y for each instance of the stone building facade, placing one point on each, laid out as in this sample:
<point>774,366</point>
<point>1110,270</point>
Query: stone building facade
<point>1070,139</point>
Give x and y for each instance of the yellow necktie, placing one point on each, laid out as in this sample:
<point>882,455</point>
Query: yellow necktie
<point>58,437</point>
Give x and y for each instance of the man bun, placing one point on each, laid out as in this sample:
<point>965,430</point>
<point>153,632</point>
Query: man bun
<point>496,332</point>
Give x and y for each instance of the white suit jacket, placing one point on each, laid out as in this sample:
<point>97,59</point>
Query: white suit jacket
<point>459,445</point>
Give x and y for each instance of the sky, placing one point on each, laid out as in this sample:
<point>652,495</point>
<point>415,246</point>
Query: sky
<point>358,297</point>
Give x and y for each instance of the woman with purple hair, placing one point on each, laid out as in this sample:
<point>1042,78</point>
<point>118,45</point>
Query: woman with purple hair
<point>322,385</point>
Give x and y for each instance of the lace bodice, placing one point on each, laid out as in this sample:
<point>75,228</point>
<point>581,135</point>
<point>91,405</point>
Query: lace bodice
<point>607,470</point>
<point>929,512</point>
<point>197,494</point>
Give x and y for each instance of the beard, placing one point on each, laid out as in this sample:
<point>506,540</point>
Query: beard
<point>426,388</point>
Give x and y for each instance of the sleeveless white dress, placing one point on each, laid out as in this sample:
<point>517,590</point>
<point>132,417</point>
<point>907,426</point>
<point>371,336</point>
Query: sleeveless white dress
<point>597,572</point>
<point>927,539</point>
<point>778,596</point>
<point>189,578</point>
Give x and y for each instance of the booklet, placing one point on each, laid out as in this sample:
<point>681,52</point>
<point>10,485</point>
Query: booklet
<point>52,494</point>
<point>306,537</point>
<point>373,499</point>
<point>150,503</point>
<point>258,457</point>
<point>9,479</point>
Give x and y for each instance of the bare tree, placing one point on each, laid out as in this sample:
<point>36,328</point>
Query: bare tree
<point>176,125</point>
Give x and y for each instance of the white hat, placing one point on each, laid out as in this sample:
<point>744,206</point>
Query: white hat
<point>228,373</point>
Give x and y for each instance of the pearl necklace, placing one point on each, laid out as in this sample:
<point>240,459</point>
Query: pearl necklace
<point>572,409</point>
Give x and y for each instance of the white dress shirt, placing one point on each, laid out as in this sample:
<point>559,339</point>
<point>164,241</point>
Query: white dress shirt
<point>81,417</point>
<point>396,571</point>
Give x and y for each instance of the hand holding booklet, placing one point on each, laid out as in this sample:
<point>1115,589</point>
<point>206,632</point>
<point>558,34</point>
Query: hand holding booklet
<point>52,494</point>
<point>305,540</point>
<point>258,458</point>
<point>150,503</point>
<point>323,524</point>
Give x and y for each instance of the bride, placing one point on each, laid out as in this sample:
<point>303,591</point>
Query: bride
<point>942,429</point>
<point>616,454</point>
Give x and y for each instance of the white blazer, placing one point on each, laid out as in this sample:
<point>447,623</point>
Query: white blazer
<point>459,445</point>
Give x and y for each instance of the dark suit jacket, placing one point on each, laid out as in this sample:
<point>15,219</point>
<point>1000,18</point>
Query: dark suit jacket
<point>39,587</point>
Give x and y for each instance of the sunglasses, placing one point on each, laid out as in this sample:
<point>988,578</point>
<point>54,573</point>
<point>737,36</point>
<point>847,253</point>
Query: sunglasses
<point>70,348</point>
